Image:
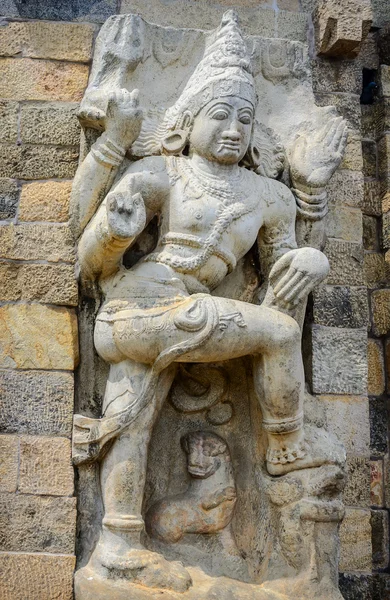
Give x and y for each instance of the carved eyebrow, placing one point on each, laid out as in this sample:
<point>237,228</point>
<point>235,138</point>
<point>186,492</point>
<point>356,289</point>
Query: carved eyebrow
<point>219,105</point>
<point>246,109</point>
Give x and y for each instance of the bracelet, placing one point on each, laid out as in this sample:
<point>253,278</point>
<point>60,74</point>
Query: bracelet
<point>108,153</point>
<point>313,207</point>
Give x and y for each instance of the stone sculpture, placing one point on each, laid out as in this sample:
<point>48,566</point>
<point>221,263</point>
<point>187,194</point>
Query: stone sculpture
<point>208,169</point>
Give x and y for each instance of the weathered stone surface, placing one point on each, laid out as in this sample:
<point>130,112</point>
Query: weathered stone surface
<point>37,162</point>
<point>341,28</point>
<point>53,284</point>
<point>9,120</point>
<point>339,360</point>
<point>48,576</point>
<point>49,124</point>
<point>385,80</point>
<point>355,540</point>
<point>37,524</point>
<point>372,198</point>
<point>82,10</point>
<point>378,426</point>
<point>291,25</point>
<point>357,490</point>
<point>45,466</point>
<point>353,157</point>
<point>9,462</point>
<point>36,402</point>
<point>386,480</point>
<point>344,223</point>
<point>369,158</point>
<point>45,201</point>
<point>384,155</point>
<point>9,196</point>
<point>380,538</point>
<point>347,417</point>
<point>386,230</point>
<point>53,243</point>
<point>340,306</point>
<point>31,79</point>
<point>383,40</point>
<point>380,307</point>
<point>368,56</point>
<point>354,586</point>
<point>376,270</point>
<point>376,370</point>
<point>60,41</point>
<point>348,106</point>
<point>38,337</point>
<point>377,487</point>
<point>346,263</point>
<point>346,187</point>
<point>336,76</point>
<point>371,233</point>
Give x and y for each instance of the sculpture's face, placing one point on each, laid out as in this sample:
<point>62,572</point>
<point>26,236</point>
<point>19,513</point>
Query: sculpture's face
<point>203,460</point>
<point>222,130</point>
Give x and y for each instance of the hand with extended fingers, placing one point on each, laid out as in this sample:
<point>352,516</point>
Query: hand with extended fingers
<point>123,119</point>
<point>315,156</point>
<point>125,215</point>
<point>296,273</point>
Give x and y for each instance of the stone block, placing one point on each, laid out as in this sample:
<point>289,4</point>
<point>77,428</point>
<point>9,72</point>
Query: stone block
<point>354,586</point>
<point>344,222</point>
<point>52,10</point>
<point>59,41</point>
<point>346,187</point>
<point>53,243</point>
<point>384,155</point>
<point>339,360</point>
<point>386,202</point>
<point>340,28</point>
<point>383,41</point>
<point>49,124</point>
<point>37,524</point>
<point>9,120</point>
<point>9,196</point>
<point>369,158</point>
<point>36,336</point>
<point>357,490</point>
<point>38,162</point>
<point>36,402</point>
<point>45,466</point>
<point>376,369</point>
<point>355,541</point>
<point>49,577</point>
<point>32,79</point>
<point>376,270</point>
<point>380,309</point>
<point>353,157</point>
<point>348,106</point>
<point>45,201</point>
<point>368,56</point>
<point>387,360</point>
<point>9,463</point>
<point>380,538</point>
<point>372,204</point>
<point>346,262</point>
<point>386,230</point>
<point>336,76</point>
<point>371,233</point>
<point>377,488</point>
<point>378,426</point>
<point>340,306</point>
<point>53,284</point>
<point>347,417</point>
<point>384,75</point>
<point>386,480</point>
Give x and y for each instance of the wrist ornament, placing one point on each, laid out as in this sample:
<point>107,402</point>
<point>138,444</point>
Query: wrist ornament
<point>312,204</point>
<point>108,153</point>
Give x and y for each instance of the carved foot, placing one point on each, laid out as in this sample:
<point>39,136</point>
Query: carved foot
<point>304,449</point>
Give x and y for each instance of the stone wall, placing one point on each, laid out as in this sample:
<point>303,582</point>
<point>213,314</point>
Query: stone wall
<point>45,54</point>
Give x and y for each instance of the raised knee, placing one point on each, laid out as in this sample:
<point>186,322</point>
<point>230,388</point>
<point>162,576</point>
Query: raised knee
<point>286,333</point>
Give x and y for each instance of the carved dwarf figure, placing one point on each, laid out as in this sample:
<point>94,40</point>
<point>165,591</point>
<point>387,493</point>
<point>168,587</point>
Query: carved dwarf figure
<point>211,209</point>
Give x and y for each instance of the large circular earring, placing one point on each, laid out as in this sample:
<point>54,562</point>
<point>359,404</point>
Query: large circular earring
<point>175,142</point>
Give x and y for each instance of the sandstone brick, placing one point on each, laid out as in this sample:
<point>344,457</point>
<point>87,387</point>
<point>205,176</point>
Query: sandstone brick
<point>45,201</point>
<point>372,204</point>
<point>353,157</point>
<point>36,402</point>
<point>53,243</point>
<point>380,306</point>
<point>379,418</point>
<point>9,196</point>
<point>371,233</point>
<point>369,158</point>
<point>376,270</point>
<point>387,360</point>
<point>386,480</point>
<point>37,524</point>
<point>346,187</point>
<point>376,370</point>
<point>38,162</point>
<point>49,124</point>
<point>347,417</point>
<point>53,284</point>
<point>368,56</point>
<point>355,540</point>
<point>377,489</point>
<point>340,306</point>
<point>386,231</point>
<point>384,155</point>
<point>357,490</point>
<point>96,11</point>
<point>30,79</point>
<point>356,585</point>
<point>9,461</point>
<point>346,262</point>
<point>45,466</point>
<point>380,538</point>
<point>36,336</point>
<point>386,202</point>
<point>344,223</point>
<point>385,79</point>
<point>47,576</point>
<point>339,361</point>
<point>60,41</point>
<point>336,76</point>
<point>9,120</point>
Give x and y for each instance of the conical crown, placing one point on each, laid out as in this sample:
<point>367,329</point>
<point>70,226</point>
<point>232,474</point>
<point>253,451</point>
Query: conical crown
<point>225,70</point>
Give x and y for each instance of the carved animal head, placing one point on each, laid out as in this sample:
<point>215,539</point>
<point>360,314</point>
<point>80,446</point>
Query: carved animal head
<point>206,452</point>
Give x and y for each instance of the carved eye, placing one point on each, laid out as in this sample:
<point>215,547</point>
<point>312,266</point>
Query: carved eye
<point>220,115</point>
<point>246,119</point>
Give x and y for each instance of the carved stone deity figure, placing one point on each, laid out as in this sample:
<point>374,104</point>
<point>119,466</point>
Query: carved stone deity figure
<point>205,181</point>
